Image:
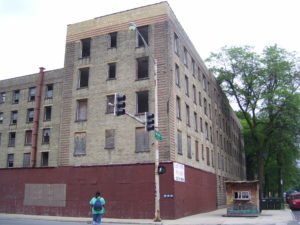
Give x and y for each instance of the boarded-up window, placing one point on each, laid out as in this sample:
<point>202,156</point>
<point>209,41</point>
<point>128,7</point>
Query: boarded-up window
<point>81,110</point>
<point>189,147</point>
<point>28,137</point>
<point>141,140</point>
<point>179,142</point>
<point>26,160</point>
<point>110,100</point>
<point>110,139</point>
<point>80,143</point>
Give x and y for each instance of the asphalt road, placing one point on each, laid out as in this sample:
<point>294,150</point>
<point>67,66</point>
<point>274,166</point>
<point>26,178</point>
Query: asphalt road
<point>297,217</point>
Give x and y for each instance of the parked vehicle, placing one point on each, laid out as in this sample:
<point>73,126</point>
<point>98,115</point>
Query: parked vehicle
<point>294,201</point>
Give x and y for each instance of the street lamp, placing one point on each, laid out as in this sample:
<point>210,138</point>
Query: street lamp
<point>132,26</point>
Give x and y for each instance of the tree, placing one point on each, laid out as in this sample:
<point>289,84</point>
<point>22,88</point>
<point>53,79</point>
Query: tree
<point>264,88</point>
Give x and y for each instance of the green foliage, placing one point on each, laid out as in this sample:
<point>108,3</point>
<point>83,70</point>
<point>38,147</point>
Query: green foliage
<point>266,88</point>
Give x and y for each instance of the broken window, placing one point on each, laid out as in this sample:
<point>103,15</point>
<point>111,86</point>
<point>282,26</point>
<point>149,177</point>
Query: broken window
<point>189,147</point>
<point>31,94</point>
<point>80,143</point>
<point>206,131</point>
<point>142,101</point>
<point>49,91</point>
<point>194,94</point>
<point>176,44</point>
<point>85,47</point>
<point>47,113</point>
<point>186,85</point>
<point>197,150</point>
<point>45,159</point>
<point>83,79</point>
<point>242,195</point>
<point>26,159</point>
<point>10,160</point>
<point>11,139</point>
<point>112,70</point>
<point>141,140</point>
<point>185,57</point>
<point>188,121</point>
<point>142,68</point>
<point>1,117</point>
<point>81,113</point>
<point>110,139</point>
<point>16,97</point>
<point>2,97</point>
<point>30,115</point>
<point>113,40</point>
<point>14,117</point>
<point>179,142</point>
<point>110,101</point>
<point>207,156</point>
<point>196,121</point>
<point>46,136</point>
<point>201,124</point>
<point>178,107</point>
<point>144,33</point>
<point>177,75</point>
<point>28,137</point>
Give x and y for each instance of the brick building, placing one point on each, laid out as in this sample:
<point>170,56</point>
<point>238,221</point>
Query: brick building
<point>59,135</point>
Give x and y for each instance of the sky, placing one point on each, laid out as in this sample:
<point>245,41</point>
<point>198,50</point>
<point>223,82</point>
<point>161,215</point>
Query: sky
<point>33,32</point>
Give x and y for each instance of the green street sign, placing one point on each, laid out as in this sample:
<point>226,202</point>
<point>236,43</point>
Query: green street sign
<point>158,135</point>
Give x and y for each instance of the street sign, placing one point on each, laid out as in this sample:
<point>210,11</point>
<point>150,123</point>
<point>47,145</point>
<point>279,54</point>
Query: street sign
<point>158,135</point>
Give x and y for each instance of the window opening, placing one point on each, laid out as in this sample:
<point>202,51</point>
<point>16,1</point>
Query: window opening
<point>16,97</point>
<point>83,81</point>
<point>80,143</point>
<point>111,70</point>
<point>45,159</point>
<point>142,70</point>
<point>113,40</point>
<point>144,33</point>
<point>85,47</point>
<point>142,102</point>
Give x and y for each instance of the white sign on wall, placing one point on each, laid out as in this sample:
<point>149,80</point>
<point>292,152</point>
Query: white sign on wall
<point>179,172</point>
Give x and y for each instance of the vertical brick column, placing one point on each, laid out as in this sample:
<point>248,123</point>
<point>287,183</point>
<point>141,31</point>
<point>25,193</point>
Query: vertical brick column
<point>164,81</point>
<point>65,135</point>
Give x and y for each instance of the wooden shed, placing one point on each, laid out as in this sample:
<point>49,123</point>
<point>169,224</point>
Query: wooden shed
<point>242,198</point>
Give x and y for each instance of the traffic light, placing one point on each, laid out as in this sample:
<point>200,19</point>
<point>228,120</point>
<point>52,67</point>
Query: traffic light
<point>120,104</point>
<point>161,169</point>
<point>149,121</point>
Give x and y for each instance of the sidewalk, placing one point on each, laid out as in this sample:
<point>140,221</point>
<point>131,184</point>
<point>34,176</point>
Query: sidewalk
<point>215,217</point>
